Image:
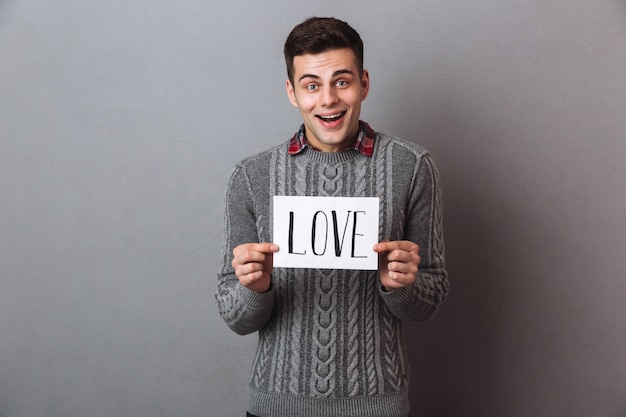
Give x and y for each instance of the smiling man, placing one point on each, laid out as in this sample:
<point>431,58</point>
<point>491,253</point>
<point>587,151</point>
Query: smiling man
<point>330,341</point>
<point>328,89</point>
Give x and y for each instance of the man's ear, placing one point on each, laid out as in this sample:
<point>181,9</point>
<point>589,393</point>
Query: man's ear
<point>365,84</point>
<point>291,93</point>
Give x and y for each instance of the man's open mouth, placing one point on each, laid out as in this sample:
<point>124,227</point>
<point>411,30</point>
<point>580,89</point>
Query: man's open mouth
<point>331,117</point>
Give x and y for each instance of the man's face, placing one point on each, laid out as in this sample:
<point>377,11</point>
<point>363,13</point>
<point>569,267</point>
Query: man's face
<point>328,92</point>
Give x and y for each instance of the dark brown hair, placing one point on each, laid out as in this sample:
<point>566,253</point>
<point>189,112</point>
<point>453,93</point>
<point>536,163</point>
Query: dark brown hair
<point>320,34</point>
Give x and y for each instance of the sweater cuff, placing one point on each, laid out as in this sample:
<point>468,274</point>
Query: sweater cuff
<point>256,300</point>
<point>397,296</point>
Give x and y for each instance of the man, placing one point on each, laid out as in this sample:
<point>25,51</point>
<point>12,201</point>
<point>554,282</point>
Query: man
<point>330,341</point>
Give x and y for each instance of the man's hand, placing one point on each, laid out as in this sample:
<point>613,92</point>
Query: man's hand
<point>399,263</point>
<point>253,264</point>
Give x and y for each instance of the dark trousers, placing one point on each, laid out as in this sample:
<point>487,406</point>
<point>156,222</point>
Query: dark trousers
<point>252,415</point>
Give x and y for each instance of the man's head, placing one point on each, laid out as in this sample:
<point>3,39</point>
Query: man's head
<point>321,34</point>
<point>327,82</point>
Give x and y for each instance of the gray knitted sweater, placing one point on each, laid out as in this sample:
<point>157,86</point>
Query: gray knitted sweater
<point>330,341</point>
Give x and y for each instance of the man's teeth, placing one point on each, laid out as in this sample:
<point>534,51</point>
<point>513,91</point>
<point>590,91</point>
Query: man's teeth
<point>331,117</point>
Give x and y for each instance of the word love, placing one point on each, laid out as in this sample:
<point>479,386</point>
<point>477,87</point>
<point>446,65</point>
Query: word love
<point>326,232</point>
<point>321,215</point>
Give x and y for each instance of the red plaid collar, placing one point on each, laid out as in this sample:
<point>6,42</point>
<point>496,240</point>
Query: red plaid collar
<point>364,142</point>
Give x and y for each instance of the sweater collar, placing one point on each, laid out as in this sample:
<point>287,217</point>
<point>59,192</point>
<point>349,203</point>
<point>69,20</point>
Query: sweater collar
<point>364,142</point>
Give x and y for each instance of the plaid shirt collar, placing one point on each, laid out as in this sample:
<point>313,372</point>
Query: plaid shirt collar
<point>364,142</point>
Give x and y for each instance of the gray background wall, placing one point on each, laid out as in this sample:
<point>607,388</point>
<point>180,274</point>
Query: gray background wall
<point>120,122</point>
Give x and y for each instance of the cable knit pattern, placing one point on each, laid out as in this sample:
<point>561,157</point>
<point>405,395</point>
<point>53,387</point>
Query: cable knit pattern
<point>261,361</point>
<point>391,352</point>
<point>437,219</point>
<point>353,333</point>
<point>296,340</point>
<point>372,353</point>
<point>324,340</point>
<point>330,341</point>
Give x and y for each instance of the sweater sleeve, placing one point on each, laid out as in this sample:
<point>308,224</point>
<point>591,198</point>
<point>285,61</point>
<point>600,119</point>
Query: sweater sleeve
<point>244,311</point>
<point>424,226</point>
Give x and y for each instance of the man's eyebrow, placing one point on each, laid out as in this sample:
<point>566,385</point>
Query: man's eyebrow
<point>342,71</point>
<point>317,77</point>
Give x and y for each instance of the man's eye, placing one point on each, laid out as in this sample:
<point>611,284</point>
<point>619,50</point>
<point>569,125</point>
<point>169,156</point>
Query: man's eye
<point>311,87</point>
<point>342,83</point>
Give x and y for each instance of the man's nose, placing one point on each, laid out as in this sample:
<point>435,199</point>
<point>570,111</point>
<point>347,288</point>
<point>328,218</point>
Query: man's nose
<point>329,97</point>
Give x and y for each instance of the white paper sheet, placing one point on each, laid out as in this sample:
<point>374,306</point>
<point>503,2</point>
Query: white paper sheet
<point>326,232</point>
